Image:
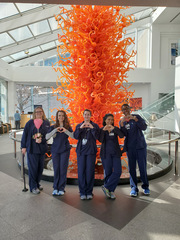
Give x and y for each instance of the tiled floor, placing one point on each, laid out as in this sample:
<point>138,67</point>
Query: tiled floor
<point>24,216</point>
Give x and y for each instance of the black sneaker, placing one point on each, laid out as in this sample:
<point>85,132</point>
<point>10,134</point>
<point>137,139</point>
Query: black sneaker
<point>40,188</point>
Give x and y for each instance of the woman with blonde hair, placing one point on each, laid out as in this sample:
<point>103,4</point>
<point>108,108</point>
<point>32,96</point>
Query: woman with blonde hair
<point>34,143</point>
<point>60,150</point>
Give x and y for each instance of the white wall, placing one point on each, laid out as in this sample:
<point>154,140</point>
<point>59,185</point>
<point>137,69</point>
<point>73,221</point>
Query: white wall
<point>157,80</point>
<point>162,37</point>
<point>12,101</point>
<point>5,70</point>
<point>141,90</point>
<point>177,95</point>
<point>148,83</point>
<point>35,75</point>
<point>168,34</point>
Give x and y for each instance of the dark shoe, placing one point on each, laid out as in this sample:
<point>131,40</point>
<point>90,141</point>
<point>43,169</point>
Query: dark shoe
<point>40,188</point>
<point>146,191</point>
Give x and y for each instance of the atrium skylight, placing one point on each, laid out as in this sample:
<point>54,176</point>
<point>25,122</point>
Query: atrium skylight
<point>20,34</point>
<point>5,39</point>
<point>11,9</point>
<point>40,27</point>
<point>29,32</point>
<point>48,46</point>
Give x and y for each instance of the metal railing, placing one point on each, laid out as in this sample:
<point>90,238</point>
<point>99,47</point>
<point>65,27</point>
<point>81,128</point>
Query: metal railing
<point>150,141</point>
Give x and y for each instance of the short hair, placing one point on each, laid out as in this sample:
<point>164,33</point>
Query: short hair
<point>106,116</point>
<point>125,105</point>
<point>87,110</point>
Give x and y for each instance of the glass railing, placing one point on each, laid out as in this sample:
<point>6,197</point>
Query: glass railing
<point>158,109</point>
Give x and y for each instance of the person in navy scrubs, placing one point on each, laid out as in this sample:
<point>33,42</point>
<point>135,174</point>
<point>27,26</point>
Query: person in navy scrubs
<point>87,133</point>
<point>110,155</point>
<point>60,150</point>
<point>34,143</point>
<point>135,145</point>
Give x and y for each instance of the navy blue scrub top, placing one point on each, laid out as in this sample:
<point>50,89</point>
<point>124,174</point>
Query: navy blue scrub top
<point>60,141</point>
<point>86,139</point>
<point>27,140</point>
<point>133,132</point>
<point>110,143</point>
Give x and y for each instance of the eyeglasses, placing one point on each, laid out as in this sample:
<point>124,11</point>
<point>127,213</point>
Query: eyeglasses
<point>39,112</point>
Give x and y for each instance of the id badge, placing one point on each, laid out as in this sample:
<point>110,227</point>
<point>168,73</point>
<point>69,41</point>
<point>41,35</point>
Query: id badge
<point>84,141</point>
<point>111,134</point>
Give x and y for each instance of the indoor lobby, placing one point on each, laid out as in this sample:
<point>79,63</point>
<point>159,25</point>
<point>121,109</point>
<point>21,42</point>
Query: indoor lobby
<point>25,216</point>
<point>26,64</point>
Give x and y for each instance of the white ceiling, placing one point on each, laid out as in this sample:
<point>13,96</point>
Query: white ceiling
<point>157,3</point>
<point>29,32</point>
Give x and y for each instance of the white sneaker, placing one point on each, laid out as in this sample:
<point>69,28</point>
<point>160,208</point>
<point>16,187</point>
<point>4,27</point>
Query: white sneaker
<point>35,191</point>
<point>55,192</point>
<point>60,193</point>
<point>83,197</point>
<point>89,197</point>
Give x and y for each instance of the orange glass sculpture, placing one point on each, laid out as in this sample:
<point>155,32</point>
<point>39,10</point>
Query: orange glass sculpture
<point>93,61</point>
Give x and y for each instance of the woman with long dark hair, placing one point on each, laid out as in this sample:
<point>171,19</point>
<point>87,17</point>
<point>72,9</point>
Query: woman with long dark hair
<point>60,150</point>
<point>110,155</point>
<point>34,143</point>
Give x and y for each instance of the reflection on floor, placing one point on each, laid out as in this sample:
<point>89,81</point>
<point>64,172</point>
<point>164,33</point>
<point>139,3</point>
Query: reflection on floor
<point>24,216</point>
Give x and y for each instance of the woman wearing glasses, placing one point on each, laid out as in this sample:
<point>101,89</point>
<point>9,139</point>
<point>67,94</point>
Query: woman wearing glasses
<point>34,143</point>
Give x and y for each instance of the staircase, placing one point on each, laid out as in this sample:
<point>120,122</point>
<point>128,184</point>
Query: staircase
<point>158,109</point>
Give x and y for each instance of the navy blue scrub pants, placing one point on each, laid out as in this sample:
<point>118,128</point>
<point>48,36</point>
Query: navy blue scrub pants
<point>86,169</point>
<point>112,171</point>
<point>35,169</point>
<point>60,166</point>
<point>139,156</point>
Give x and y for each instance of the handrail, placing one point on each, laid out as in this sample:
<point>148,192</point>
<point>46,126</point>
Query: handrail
<point>150,113</point>
<point>158,101</point>
<point>169,141</point>
<point>166,141</point>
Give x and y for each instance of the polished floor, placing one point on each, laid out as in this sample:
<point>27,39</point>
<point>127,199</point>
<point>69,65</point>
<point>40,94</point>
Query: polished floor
<point>24,216</point>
